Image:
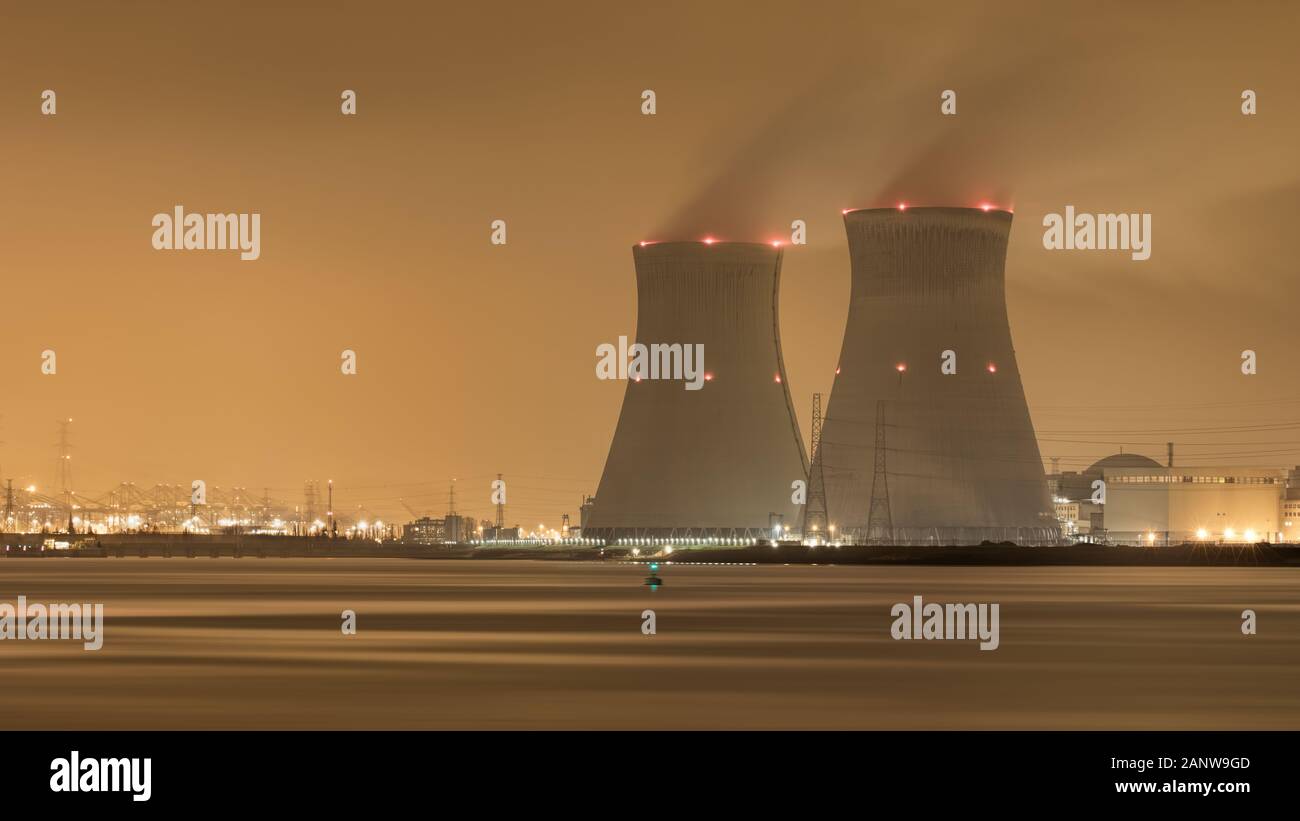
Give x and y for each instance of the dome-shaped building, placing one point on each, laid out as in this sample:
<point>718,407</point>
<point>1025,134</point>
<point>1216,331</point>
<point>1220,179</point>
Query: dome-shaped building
<point>1122,460</point>
<point>1077,487</point>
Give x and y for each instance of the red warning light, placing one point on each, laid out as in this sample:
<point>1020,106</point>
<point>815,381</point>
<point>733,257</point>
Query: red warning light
<point>993,368</point>
<point>900,367</point>
<point>985,207</point>
<point>902,206</point>
<point>709,240</point>
<point>837,370</point>
<point>708,377</point>
<point>777,379</point>
<point>776,243</point>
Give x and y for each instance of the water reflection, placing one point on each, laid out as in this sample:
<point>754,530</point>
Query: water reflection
<point>465,644</point>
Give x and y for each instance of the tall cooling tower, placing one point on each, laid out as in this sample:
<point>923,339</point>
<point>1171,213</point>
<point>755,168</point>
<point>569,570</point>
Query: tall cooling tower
<point>910,454</point>
<point>718,461</point>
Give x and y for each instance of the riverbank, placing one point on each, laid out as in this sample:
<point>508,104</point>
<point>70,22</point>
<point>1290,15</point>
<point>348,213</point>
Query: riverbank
<point>175,546</point>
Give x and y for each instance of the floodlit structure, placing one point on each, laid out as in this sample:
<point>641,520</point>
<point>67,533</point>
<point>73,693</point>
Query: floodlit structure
<point>1158,505</point>
<point>927,437</point>
<point>718,462</point>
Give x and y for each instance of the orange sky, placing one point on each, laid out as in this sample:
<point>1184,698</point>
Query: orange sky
<point>475,359</point>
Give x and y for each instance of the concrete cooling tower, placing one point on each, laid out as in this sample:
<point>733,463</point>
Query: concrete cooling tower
<point>717,462</point>
<point>911,454</point>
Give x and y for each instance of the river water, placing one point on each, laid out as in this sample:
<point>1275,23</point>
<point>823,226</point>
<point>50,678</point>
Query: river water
<point>249,643</point>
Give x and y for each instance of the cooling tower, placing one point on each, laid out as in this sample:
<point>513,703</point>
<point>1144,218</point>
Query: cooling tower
<point>718,461</point>
<point>911,454</point>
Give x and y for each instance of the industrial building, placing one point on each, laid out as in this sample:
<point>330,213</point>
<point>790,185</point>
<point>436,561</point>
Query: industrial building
<point>448,530</point>
<point>1081,515</point>
<point>720,461</point>
<point>1152,504</point>
<point>927,437</point>
<point>1291,507</point>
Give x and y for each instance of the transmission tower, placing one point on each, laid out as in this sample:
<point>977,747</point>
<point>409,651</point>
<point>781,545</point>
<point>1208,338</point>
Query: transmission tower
<point>451,525</point>
<point>816,517</point>
<point>332,525</point>
<point>309,491</point>
<point>501,508</point>
<point>65,464</point>
<point>880,522</point>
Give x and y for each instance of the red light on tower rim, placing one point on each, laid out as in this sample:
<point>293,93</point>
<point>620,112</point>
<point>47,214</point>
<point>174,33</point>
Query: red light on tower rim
<point>709,240</point>
<point>901,367</point>
<point>983,205</point>
<point>777,379</point>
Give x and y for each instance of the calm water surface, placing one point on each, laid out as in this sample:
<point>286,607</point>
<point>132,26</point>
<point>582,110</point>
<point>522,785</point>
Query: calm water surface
<point>248,643</point>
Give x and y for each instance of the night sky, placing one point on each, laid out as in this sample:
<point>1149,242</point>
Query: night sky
<point>475,359</point>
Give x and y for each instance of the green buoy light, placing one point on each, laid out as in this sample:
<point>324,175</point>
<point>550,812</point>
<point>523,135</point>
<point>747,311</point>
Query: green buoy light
<point>653,581</point>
